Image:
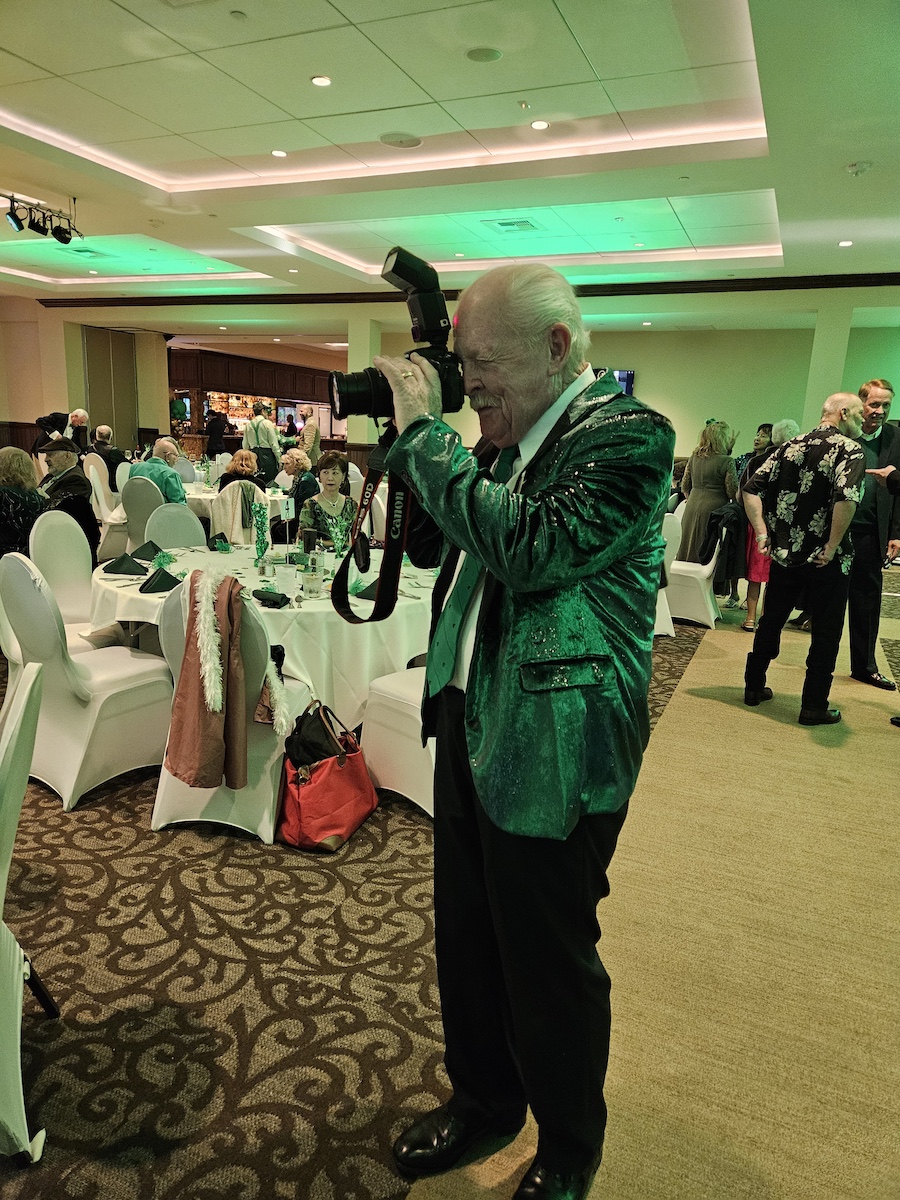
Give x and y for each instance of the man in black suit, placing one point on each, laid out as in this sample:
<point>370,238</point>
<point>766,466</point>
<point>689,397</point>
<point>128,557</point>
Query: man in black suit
<point>111,455</point>
<point>875,533</point>
<point>67,488</point>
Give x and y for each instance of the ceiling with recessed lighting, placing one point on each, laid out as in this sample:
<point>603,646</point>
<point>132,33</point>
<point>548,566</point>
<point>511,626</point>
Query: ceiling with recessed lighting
<point>238,148</point>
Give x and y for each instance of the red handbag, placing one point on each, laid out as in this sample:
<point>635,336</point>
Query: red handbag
<point>323,803</point>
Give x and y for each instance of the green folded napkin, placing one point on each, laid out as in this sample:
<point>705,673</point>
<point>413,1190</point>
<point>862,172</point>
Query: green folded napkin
<point>147,552</point>
<point>124,565</point>
<point>159,581</point>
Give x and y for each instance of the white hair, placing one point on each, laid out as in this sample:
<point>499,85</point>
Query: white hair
<point>538,297</point>
<point>103,433</point>
<point>783,431</point>
<point>298,455</point>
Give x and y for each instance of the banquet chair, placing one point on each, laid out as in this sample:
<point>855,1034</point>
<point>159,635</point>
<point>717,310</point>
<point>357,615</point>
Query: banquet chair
<point>253,808</point>
<point>173,525</point>
<point>378,517</point>
<point>225,512</point>
<point>123,470</point>
<point>690,592</point>
<point>113,524</point>
<point>103,713</point>
<point>140,496</point>
<point>16,748</point>
<point>284,481</point>
<point>58,548</point>
<point>185,469</point>
<point>392,737</point>
<point>95,461</point>
<point>671,531</point>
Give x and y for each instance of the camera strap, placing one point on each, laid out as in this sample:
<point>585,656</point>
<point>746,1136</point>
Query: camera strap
<point>395,524</point>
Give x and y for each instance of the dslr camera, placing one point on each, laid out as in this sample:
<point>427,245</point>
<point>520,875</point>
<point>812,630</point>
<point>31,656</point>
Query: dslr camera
<point>368,393</point>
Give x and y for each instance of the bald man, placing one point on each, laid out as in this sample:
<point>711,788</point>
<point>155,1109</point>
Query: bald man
<point>111,455</point>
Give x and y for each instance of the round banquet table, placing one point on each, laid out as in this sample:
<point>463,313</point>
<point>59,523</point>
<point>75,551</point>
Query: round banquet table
<point>199,499</point>
<point>338,660</point>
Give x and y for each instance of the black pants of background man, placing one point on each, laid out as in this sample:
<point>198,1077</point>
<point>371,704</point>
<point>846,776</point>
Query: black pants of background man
<point>823,591</point>
<point>524,995</point>
<point>864,604</point>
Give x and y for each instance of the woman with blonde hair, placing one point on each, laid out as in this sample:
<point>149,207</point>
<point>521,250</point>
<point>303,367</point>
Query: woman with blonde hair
<point>243,465</point>
<point>20,501</point>
<point>709,481</point>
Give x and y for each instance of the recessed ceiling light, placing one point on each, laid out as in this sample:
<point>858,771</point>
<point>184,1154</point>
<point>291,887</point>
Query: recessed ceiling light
<point>639,243</point>
<point>540,124</point>
<point>276,339</point>
<point>646,322</point>
<point>619,218</point>
<point>459,255</point>
<point>845,243</point>
<point>223,326</point>
<point>402,141</point>
<point>484,54</point>
<point>338,345</point>
<point>293,270</point>
<point>279,153</point>
<point>321,80</point>
<point>210,268</point>
<point>93,272</point>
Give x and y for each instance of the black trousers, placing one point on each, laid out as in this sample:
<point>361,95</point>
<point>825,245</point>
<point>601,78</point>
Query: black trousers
<point>864,604</point>
<point>823,594</point>
<point>524,995</point>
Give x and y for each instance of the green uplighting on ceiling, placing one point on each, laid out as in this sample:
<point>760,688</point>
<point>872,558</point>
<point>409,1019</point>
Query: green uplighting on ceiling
<point>111,257</point>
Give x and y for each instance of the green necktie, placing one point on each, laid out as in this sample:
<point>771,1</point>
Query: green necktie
<point>445,643</point>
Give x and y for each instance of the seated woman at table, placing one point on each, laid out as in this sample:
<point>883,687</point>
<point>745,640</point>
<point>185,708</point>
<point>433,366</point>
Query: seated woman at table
<point>242,466</point>
<point>303,484</point>
<point>20,501</point>
<point>330,513</point>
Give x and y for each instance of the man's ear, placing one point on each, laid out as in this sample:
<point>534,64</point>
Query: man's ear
<point>560,340</point>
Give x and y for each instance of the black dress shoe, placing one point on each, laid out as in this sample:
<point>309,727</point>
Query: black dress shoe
<point>876,679</point>
<point>754,696</point>
<point>895,721</point>
<point>540,1183</point>
<point>819,716</point>
<point>437,1141</point>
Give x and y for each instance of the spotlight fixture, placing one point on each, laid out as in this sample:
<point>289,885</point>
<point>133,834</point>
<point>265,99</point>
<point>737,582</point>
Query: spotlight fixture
<point>41,219</point>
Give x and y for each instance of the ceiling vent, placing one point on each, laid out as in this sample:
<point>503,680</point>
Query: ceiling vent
<point>514,225</point>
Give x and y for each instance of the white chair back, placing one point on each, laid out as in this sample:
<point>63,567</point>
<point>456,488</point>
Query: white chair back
<point>60,551</point>
<point>185,469</point>
<point>225,512</point>
<point>140,496</point>
<point>356,487</point>
<point>96,462</point>
<point>101,497</point>
<point>123,470</point>
<point>16,750</point>
<point>378,517</point>
<point>283,480</point>
<point>222,461</point>
<point>671,531</point>
<point>41,468</point>
<point>173,525</point>
<point>35,619</point>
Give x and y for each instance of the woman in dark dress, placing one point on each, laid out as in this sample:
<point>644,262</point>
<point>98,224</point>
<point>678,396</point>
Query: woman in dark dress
<point>20,501</point>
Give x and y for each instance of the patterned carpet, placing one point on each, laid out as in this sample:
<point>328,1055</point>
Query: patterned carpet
<point>239,1021</point>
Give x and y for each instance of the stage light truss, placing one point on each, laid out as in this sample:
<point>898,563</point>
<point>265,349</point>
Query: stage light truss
<point>27,214</point>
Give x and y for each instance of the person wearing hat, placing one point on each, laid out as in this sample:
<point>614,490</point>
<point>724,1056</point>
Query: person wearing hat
<point>67,488</point>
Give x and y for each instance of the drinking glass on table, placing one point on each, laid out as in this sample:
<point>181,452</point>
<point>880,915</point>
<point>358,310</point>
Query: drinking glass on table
<point>312,584</point>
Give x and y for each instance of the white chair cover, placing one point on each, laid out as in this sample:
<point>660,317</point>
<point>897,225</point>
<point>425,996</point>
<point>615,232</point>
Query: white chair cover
<point>690,592</point>
<point>225,513</point>
<point>114,528</point>
<point>255,807</point>
<point>378,517</point>
<point>16,747</point>
<point>185,469</point>
<point>173,525</point>
<point>671,531</point>
<point>60,551</point>
<point>392,737</point>
<point>283,480</point>
<point>95,461</point>
<point>123,470</point>
<point>140,496</point>
<point>103,713</point>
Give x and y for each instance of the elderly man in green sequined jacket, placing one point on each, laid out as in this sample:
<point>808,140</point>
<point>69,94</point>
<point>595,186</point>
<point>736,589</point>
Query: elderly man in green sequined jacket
<point>537,691</point>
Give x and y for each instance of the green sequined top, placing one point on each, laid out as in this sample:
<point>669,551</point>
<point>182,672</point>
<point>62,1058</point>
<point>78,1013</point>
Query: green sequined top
<point>556,704</point>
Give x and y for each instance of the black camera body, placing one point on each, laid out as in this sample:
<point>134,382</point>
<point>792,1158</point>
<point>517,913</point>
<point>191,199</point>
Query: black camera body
<point>367,392</point>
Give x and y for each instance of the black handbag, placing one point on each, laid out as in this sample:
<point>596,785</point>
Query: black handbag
<point>314,737</point>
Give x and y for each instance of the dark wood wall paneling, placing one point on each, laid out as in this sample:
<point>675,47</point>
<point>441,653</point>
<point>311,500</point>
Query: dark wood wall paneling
<point>214,372</point>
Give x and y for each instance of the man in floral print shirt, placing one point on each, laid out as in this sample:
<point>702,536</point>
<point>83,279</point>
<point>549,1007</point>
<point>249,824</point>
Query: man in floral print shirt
<point>800,504</point>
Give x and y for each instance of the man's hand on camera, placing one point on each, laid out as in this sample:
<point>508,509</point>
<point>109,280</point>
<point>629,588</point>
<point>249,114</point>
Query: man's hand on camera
<point>416,386</point>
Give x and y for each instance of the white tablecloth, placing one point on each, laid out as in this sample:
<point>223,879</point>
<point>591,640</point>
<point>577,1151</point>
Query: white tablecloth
<point>337,659</point>
<point>199,499</point>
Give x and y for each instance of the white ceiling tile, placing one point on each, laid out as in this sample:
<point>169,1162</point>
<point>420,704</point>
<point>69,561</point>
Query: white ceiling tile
<point>182,94</point>
<point>420,120</point>
<point>209,26</point>
<point>350,235</point>
<point>737,235</point>
<point>362,10</point>
<point>17,70</point>
<point>724,209</point>
<point>650,36</point>
<point>585,131</point>
<point>443,251</point>
<point>64,38</point>
<point>85,118</point>
<point>401,230</point>
<point>736,81</point>
<point>547,104</point>
<point>363,78</point>
<point>322,158</point>
<point>537,47</point>
<point>621,217</point>
<point>177,156</point>
<point>652,239</point>
<point>259,139</point>
<point>482,224</point>
<point>539,247</point>
<point>439,148</point>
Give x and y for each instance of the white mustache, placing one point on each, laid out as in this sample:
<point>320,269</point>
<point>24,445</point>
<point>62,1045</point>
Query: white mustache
<point>477,403</point>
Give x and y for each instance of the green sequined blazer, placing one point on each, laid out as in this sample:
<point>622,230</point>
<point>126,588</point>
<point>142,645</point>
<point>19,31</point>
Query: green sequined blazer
<point>556,703</point>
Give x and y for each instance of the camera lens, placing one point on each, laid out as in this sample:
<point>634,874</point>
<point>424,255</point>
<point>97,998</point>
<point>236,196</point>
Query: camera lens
<point>363,393</point>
